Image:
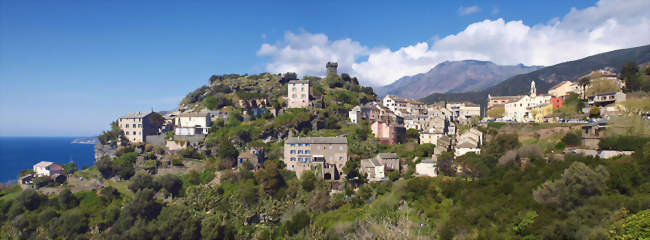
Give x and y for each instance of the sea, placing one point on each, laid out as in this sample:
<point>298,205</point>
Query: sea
<point>17,153</point>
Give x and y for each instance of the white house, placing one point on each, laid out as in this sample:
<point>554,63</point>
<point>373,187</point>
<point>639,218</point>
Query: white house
<point>192,123</point>
<point>466,147</point>
<point>519,111</point>
<point>427,167</point>
<point>44,168</point>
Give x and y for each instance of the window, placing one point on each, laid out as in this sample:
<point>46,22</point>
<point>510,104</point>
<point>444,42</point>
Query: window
<point>293,145</point>
<point>302,89</point>
<point>293,96</point>
<point>307,152</point>
<point>133,132</point>
<point>293,160</point>
<point>292,152</point>
<point>127,132</point>
<point>299,144</point>
<point>294,89</point>
<point>299,159</point>
<point>299,151</point>
<point>139,125</point>
<point>303,95</point>
<point>134,125</point>
<point>307,144</point>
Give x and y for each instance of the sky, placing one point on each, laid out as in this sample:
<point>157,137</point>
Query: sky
<point>69,68</point>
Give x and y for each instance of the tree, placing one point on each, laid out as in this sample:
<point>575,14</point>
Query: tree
<point>571,139</point>
<point>30,199</point>
<point>573,188</point>
<point>171,183</point>
<point>105,167</point>
<point>70,225</point>
<point>584,82</point>
<point>413,133</point>
<point>270,178</point>
<point>141,181</point>
<point>299,221</point>
<point>178,222</point>
<point>142,205</point>
<point>594,112</point>
<point>67,200</point>
<point>70,167</point>
<point>227,151</point>
<point>445,161</point>
<point>630,75</point>
<point>308,181</point>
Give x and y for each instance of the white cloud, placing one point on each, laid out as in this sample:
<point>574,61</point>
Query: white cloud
<point>468,10</point>
<point>609,25</point>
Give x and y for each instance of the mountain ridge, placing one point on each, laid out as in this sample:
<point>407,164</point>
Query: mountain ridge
<point>453,76</point>
<point>546,77</point>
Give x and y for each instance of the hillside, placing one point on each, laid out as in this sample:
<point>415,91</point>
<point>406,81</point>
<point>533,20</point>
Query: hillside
<point>454,76</point>
<point>546,77</point>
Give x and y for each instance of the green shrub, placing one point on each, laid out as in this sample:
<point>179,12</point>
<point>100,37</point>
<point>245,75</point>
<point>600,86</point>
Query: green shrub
<point>623,143</point>
<point>571,139</point>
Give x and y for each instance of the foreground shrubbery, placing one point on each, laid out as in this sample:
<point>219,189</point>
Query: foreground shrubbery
<point>577,198</point>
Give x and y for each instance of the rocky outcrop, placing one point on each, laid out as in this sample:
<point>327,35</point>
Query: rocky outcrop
<point>104,150</point>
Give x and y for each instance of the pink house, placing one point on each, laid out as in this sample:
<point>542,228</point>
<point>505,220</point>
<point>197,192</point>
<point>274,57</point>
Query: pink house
<point>387,133</point>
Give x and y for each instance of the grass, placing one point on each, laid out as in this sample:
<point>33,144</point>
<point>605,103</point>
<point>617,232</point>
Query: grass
<point>10,193</point>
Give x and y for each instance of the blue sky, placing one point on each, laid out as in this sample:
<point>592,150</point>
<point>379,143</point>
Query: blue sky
<point>69,68</point>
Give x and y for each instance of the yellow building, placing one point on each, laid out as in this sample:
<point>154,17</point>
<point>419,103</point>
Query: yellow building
<point>540,112</point>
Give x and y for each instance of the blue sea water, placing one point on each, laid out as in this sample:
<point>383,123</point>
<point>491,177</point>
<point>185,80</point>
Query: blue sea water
<point>17,153</point>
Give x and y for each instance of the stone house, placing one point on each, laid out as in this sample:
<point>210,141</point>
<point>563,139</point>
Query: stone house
<point>326,156</point>
<point>376,167</point>
<point>298,94</point>
<point>430,137</point>
<point>500,101</point>
<point>592,132</point>
<point>373,169</point>
<point>137,126</point>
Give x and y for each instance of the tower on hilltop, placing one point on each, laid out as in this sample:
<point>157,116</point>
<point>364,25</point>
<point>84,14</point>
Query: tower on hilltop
<point>331,68</point>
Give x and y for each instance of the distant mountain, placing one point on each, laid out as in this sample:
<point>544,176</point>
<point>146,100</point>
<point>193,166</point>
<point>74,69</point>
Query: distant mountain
<point>546,77</point>
<point>85,140</point>
<point>456,76</point>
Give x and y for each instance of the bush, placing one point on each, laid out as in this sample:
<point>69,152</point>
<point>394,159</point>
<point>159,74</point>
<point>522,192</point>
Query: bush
<point>623,143</point>
<point>67,200</point>
<point>571,139</point>
<point>177,162</point>
<point>142,181</point>
<point>594,112</point>
<point>577,184</point>
<point>308,181</point>
<point>413,133</point>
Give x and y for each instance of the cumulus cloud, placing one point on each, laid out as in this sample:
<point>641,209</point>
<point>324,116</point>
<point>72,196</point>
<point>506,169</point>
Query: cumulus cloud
<point>468,10</point>
<point>609,25</point>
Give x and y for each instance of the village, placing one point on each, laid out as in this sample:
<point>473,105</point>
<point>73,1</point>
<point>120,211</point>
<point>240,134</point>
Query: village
<point>456,127</point>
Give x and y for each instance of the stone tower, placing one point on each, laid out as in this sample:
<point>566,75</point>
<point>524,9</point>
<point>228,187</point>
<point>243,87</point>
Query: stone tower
<point>331,68</point>
<point>533,90</point>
